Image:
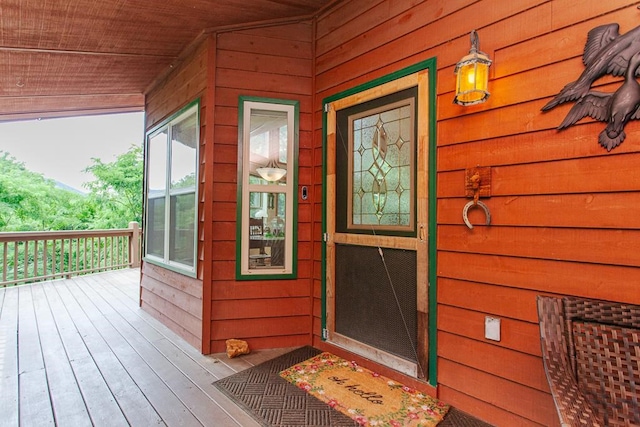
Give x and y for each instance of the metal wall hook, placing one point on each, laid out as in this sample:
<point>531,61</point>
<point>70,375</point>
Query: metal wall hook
<point>471,204</point>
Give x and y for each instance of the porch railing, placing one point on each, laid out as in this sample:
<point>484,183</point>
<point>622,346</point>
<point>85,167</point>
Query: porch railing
<point>43,255</point>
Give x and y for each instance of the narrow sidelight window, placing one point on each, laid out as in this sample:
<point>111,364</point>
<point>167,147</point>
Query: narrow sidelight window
<point>268,150</point>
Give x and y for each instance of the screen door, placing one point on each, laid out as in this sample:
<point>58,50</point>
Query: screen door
<point>376,216</point>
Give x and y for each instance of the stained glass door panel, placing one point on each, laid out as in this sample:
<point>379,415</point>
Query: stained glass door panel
<point>381,168</point>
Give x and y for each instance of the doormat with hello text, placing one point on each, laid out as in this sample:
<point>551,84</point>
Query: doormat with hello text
<point>365,396</point>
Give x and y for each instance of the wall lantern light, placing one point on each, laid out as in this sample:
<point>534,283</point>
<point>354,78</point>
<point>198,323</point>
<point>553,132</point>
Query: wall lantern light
<point>472,73</point>
<point>271,172</point>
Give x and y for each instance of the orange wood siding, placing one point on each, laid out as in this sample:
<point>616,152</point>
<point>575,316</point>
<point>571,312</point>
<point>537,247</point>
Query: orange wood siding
<point>271,62</point>
<point>174,298</point>
<point>564,211</point>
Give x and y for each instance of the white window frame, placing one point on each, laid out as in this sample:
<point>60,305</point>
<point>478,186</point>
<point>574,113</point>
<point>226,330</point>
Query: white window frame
<point>165,261</point>
<point>291,108</point>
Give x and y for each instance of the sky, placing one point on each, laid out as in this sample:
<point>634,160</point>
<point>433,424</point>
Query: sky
<point>61,148</point>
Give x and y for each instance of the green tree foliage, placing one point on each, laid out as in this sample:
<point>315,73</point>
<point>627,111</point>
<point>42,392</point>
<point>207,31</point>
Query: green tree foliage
<point>29,202</point>
<point>117,190</point>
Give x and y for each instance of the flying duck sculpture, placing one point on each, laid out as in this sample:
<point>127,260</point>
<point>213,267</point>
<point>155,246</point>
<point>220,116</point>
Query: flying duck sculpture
<point>614,108</point>
<point>606,52</point>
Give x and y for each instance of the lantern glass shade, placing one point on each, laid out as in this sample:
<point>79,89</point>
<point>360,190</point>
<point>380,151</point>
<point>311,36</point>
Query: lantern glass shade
<point>472,76</point>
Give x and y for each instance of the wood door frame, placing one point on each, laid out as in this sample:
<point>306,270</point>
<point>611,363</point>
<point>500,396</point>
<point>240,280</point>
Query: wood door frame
<point>421,75</point>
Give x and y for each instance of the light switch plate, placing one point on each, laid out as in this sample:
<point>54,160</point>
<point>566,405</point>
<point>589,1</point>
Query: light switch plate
<point>492,328</point>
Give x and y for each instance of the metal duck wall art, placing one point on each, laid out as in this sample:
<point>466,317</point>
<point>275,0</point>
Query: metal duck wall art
<point>606,52</point>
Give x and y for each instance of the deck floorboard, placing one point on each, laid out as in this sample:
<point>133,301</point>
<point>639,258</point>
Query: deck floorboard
<point>80,351</point>
<point>9,357</point>
<point>35,406</point>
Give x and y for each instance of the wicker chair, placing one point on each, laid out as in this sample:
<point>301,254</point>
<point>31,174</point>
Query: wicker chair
<point>591,355</point>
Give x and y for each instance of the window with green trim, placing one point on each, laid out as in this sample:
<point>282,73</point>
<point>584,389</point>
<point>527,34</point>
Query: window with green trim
<point>267,214</point>
<point>171,159</point>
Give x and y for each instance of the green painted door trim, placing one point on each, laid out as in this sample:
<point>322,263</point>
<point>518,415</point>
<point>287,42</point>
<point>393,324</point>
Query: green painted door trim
<point>429,64</point>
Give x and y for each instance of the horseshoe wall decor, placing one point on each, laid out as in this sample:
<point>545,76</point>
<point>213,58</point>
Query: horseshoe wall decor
<point>477,184</point>
<point>472,204</point>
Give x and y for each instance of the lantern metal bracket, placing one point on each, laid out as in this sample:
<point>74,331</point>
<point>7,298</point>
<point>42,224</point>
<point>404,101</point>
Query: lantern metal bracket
<point>474,41</point>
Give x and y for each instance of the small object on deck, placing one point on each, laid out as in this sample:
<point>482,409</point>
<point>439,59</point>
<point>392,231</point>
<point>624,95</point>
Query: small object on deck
<point>237,348</point>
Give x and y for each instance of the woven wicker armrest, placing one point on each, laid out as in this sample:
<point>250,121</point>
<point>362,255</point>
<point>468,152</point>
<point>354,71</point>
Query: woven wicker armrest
<point>572,406</point>
<point>591,355</point>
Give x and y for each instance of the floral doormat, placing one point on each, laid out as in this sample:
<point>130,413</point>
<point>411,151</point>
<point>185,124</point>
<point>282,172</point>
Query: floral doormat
<point>365,396</point>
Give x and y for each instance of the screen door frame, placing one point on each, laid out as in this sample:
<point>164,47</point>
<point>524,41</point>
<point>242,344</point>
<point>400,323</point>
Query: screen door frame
<point>421,76</point>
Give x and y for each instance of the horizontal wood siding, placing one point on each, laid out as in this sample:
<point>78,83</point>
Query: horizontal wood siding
<point>272,62</point>
<point>173,298</point>
<point>564,210</point>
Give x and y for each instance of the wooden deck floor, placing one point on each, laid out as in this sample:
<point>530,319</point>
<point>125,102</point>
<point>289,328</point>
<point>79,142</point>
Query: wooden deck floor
<point>80,352</point>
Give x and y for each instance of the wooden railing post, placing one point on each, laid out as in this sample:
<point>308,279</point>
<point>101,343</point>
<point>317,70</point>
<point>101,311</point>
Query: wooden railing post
<point>134,244</point>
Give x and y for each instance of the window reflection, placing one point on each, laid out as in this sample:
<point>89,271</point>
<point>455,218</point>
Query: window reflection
<point>182,232</point>
<point>267,233</point>
<point>155,227</point>
<point>183,153</point>
<point>268,146</point>
<point>157,160</point>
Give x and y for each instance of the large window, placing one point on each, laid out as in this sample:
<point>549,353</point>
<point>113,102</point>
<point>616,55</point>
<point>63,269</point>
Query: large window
<point>268,169</point>
<point>171,204</point>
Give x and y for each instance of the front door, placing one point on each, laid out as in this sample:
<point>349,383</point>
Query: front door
<point>376,201</point>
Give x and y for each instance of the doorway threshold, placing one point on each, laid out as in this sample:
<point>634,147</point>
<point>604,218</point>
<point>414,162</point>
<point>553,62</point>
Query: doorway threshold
<point>376,355</point>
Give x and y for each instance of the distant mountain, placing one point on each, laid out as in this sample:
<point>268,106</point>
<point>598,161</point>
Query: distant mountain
<point>66,187</point>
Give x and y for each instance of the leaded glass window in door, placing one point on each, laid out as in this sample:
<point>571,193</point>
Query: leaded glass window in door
<point>381,168</point>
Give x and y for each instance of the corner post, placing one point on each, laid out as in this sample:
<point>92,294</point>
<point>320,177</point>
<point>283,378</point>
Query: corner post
<point>134,245</point>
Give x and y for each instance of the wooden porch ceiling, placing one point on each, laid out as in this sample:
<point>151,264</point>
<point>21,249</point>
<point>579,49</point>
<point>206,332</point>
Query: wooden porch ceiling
<point>74,57</point>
